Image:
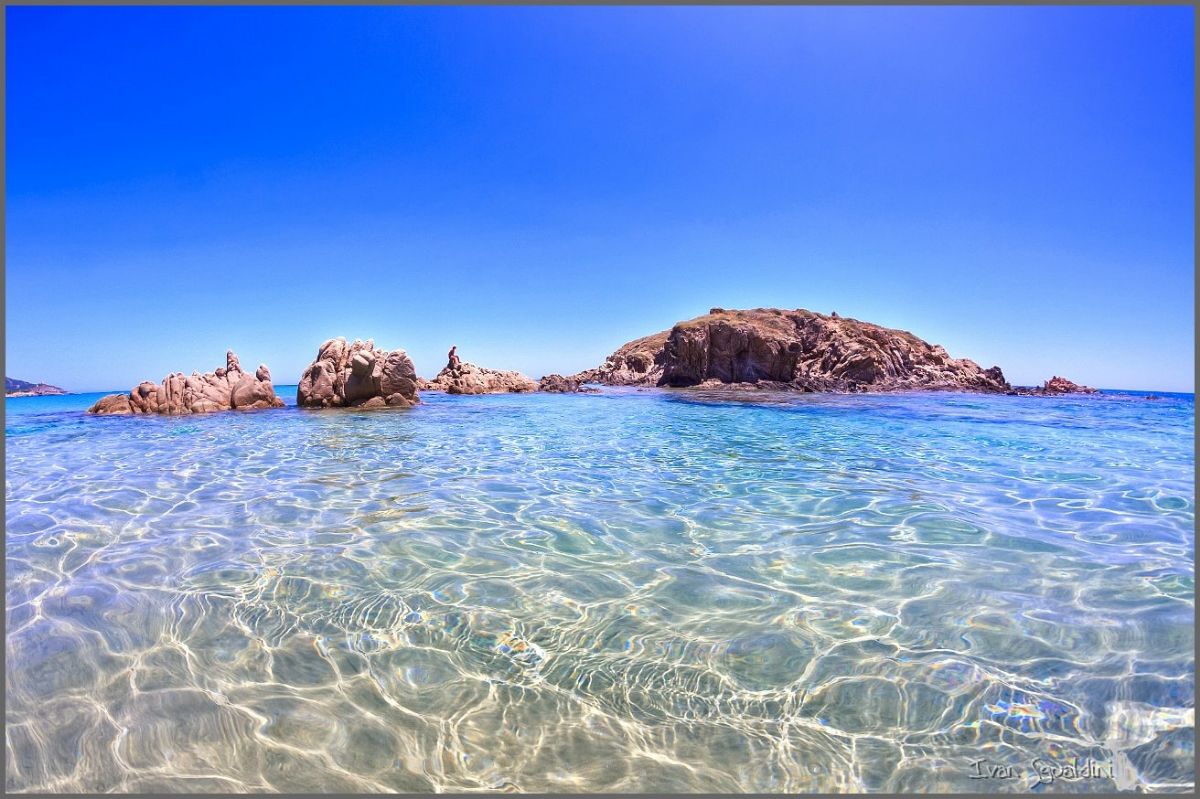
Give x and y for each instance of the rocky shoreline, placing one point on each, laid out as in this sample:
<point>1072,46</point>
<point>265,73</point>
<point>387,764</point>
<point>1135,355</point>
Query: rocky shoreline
<point>756,349</point>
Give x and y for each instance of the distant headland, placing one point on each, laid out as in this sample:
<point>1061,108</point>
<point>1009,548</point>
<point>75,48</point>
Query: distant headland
<point>22,388</point>
<point>760,348</point>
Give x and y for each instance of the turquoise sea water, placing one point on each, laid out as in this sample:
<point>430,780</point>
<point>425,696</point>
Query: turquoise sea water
<point>628,591</point>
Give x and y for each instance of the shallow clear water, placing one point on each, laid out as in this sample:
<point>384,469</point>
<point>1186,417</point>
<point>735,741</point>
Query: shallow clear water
<point>630,591</point>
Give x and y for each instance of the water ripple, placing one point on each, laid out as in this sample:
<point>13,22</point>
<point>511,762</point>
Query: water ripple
<point>635,591</point>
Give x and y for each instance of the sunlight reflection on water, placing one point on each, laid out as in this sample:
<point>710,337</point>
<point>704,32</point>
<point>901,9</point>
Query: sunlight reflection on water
<point>629,591</point>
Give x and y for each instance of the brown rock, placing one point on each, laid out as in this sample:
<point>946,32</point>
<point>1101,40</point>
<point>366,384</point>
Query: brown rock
<point>563,385</point>
<point>1061,385</point>
<point>222,389</point>
<point>638,363</point>
<point>356,375</point>
<point>243,394</point>
<point>796,349</point>
<point>113,404</point>
<point>401,400</point>
<point>398,376</point>
<point>468,378</point>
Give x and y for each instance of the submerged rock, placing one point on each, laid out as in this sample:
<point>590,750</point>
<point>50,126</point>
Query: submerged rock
<point>467,378</point>
<point>796,349</point>
<point>358,376</point>
<point>223,389</point>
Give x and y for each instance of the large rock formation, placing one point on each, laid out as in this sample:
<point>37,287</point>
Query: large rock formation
<point>223,389</point>
<point>468,378</point>
<point>790,349</point>
<point>358,376</point>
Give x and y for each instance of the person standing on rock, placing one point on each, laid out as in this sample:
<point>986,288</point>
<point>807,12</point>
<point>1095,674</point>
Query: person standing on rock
<point>453,359</point>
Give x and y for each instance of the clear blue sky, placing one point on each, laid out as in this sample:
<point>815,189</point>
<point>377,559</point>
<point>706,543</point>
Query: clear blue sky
<point>541,185</point>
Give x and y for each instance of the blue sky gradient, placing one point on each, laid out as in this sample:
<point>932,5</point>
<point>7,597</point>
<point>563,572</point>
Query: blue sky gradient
<point>540,185</point>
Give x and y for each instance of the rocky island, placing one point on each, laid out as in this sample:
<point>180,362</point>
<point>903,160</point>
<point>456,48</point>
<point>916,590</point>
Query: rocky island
<point>22,388</point>
<point>225,388</point>
<point>791,349</point>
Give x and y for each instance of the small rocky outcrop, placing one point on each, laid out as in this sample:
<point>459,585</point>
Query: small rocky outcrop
<point>1059,385</point>
<point>557,384</point>
<point>794,349</point>
<point>467,378</point>
<point>222,389</point>
<point>358,376</point>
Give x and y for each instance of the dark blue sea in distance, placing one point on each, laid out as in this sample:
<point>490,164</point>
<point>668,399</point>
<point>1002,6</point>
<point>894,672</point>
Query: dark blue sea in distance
<point>636,590</point>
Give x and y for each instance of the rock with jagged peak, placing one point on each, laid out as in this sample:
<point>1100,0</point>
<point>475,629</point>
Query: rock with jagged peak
<point>223,389</point>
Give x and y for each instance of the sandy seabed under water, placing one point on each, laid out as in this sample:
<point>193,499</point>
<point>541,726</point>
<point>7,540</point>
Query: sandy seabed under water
<point>629,591</point>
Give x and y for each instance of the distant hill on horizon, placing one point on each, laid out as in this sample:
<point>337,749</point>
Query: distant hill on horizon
<point>19,388</point>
